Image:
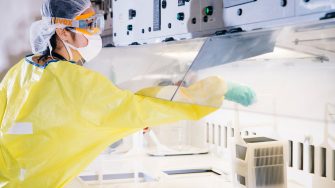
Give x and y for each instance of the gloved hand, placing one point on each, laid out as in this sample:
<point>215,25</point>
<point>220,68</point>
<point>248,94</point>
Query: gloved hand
<point>240,94</point>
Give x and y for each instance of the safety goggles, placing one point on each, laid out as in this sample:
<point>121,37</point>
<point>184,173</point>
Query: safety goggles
<point>90,23</point>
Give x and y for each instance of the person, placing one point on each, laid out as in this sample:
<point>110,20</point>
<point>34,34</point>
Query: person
<point>56,115</point>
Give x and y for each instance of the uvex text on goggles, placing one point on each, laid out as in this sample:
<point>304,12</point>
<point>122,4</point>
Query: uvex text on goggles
<point>90,23</point>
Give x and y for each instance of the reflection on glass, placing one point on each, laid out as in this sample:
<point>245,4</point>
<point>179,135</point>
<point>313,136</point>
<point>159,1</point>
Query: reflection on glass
<point>137,67</point>
<point>283,72</point>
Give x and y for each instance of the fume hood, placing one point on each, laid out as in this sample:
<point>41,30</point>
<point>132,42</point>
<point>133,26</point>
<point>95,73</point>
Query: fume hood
<point>292,71</point>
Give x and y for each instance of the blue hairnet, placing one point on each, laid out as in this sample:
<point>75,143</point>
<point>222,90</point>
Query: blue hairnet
<point>41,31</point>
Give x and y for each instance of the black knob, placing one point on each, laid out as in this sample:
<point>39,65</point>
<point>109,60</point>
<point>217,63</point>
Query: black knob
<point>180,16</point>
<point>130,27</point>
<point>164,4</point>
<point>239,12</point>
<point>283,3</point>
<point>194,20</point>
<point>205,19</point>
<point>132,13</point>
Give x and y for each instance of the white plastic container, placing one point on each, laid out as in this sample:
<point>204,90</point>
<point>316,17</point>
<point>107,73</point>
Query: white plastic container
<point>259,162</point>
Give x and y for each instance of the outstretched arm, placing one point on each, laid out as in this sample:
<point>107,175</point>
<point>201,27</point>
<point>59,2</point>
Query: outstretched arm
<point>210,91</point>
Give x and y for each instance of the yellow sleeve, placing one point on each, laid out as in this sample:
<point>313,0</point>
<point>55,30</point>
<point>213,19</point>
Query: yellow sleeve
<point>3,98</point>
<point>157,111</point>
<point>106,104</point>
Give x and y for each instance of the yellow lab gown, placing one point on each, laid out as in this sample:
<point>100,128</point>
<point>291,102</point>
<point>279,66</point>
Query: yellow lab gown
<point>57,118</point>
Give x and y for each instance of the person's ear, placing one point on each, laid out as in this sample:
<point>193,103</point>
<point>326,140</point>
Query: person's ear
<point>63,34</point>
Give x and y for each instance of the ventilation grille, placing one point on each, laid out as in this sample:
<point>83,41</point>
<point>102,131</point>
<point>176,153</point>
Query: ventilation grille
<point>273,151</point>
<point>270,175</point>
<point>218,135</point>
<point>269,166</point>
<point>302,161</point>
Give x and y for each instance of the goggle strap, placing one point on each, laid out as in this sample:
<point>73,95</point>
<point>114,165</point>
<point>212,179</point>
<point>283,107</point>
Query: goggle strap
<point>84,16</point>
<point>85,31</point>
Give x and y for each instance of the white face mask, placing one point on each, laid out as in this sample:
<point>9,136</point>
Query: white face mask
<point>92,49</point>
<point>88,52</point>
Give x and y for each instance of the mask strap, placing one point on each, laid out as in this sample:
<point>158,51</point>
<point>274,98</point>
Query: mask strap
<point>68,49</point>
<point>81,62</point>
<point>69,52</point>
<point>50,49</point>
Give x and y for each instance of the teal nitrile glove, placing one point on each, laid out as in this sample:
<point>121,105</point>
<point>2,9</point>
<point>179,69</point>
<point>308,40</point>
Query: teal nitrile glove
<point>240,94</point>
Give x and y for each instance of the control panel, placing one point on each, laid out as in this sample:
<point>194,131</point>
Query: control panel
<point>139,22</point>
<point>252,14</point>
<point>133,22</point>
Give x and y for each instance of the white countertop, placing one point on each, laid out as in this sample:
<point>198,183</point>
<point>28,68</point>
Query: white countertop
<point>153,167</point>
